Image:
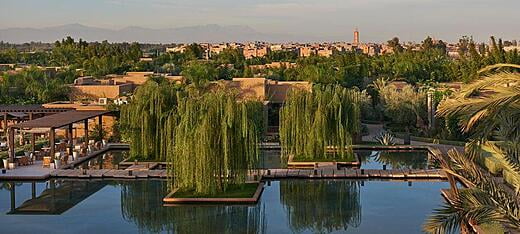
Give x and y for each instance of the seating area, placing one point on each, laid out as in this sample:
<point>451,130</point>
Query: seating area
<point>52,140</point>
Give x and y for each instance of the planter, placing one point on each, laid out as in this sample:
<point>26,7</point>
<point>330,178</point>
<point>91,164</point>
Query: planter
<point>74,156</point>
<point>6,161</point>
<point>171,200</point>
<point>57,164</point>
<point>12,166</point>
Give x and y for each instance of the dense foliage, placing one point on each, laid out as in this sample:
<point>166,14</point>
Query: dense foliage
<point>215,142</point>
<point>311,123</point>
<point>208,136</point>
<point>489,110</point>
<point>33,86</point>
<point>144,119</point>
<point>428,62</point>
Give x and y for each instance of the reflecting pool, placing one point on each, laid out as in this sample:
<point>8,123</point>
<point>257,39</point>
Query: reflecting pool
<point>108,160</point>
<point>410,159</point>
<point>286,206</point>
<point>395,159</point>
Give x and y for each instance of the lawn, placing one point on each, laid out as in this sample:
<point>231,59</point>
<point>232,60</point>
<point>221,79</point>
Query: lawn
<point>235,191</point>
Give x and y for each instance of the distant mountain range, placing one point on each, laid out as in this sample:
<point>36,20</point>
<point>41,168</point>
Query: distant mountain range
<point>204,33</point>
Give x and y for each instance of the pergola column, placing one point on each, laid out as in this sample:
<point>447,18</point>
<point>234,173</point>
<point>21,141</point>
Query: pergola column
<point>86,131</point>
<point>33,140</point>
<point>11,143</point>
<point>5,123</point>
<point>71,146</point>
<point>52,139</point>
<point>100,123</point>
<point>265,114</point>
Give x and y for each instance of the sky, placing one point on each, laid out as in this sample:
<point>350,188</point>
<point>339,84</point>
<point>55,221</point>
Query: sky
<point>377,20</point>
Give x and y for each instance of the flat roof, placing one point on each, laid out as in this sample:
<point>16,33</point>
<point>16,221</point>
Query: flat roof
<point>36,108</point>
<point>61,119</point>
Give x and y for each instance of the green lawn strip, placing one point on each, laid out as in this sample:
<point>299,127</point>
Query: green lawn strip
<point>236,191</point>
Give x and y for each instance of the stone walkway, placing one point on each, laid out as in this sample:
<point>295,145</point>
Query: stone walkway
<point>31,172</point>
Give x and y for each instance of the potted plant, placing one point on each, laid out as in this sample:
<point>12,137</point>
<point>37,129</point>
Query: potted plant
<point>6,163</point>
<point>57,160</point>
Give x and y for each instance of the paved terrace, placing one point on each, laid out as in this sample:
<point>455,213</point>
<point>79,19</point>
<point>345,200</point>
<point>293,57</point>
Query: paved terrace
<point>36,171</point>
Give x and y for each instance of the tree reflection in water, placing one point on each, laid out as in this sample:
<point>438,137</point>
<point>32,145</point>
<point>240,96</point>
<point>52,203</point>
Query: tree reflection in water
<point>395,160</point>
<point>321,205</point>
<point>403,160</point>
<point>141,203</point>
<point>108,160</point>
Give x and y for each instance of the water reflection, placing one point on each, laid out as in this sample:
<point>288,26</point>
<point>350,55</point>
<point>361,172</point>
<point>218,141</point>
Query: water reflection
<point>394,159</point>
<point>108,160</point>
<point>321,205</point>
<point>57,196</point>
<point>298,206</point>
<point>141,203</point>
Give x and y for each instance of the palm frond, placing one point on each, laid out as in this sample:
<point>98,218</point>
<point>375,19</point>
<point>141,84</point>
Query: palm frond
<point>499,65</point>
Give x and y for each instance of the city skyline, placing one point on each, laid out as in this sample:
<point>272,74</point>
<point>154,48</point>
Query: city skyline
<point>329,20</point>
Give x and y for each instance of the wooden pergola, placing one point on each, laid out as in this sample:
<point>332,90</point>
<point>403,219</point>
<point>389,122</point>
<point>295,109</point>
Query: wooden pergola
<point>26,112</point>
<point>52,122</point>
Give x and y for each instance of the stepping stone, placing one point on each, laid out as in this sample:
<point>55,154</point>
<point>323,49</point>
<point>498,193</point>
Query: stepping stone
<point>339,173</point>
<point>349,173</point>
<point>373,173</point>
<point>279,173</point>
<point>140,174</point>
<point>305,173</point>
<point>154,173</point>
<point>327,173</point>
<point>98,173</point>
<point>293,173</point>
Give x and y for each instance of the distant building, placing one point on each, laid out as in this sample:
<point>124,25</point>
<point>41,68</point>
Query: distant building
<point>271,92</point>
<point>356,37</point>
<point>88,88</point>
<point>306,51</point>
<point>251,51</point>
<point>325,52</point>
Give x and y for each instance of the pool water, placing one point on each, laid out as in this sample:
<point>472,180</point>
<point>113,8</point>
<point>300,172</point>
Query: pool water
<point>395,159</point>
<point>286,206</point>
<point>411,159</point>
<point>108,160</point>
<point>270,159</point>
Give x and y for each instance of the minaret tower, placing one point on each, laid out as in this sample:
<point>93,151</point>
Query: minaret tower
<point>356,36</point>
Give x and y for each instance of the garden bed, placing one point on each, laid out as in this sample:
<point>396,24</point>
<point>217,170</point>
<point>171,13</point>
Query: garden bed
<point>249,193</point>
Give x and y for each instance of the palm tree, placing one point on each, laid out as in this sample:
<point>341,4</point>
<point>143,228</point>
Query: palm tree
<point>489,109</point>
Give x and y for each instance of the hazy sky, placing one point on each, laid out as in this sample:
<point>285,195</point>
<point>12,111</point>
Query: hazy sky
<point>377,20</point>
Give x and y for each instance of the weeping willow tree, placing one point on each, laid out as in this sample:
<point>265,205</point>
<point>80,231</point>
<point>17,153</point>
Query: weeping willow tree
<point>147,120</point>
<point>215,142</point>
<point>312,122</point>
<point>321,206</point>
